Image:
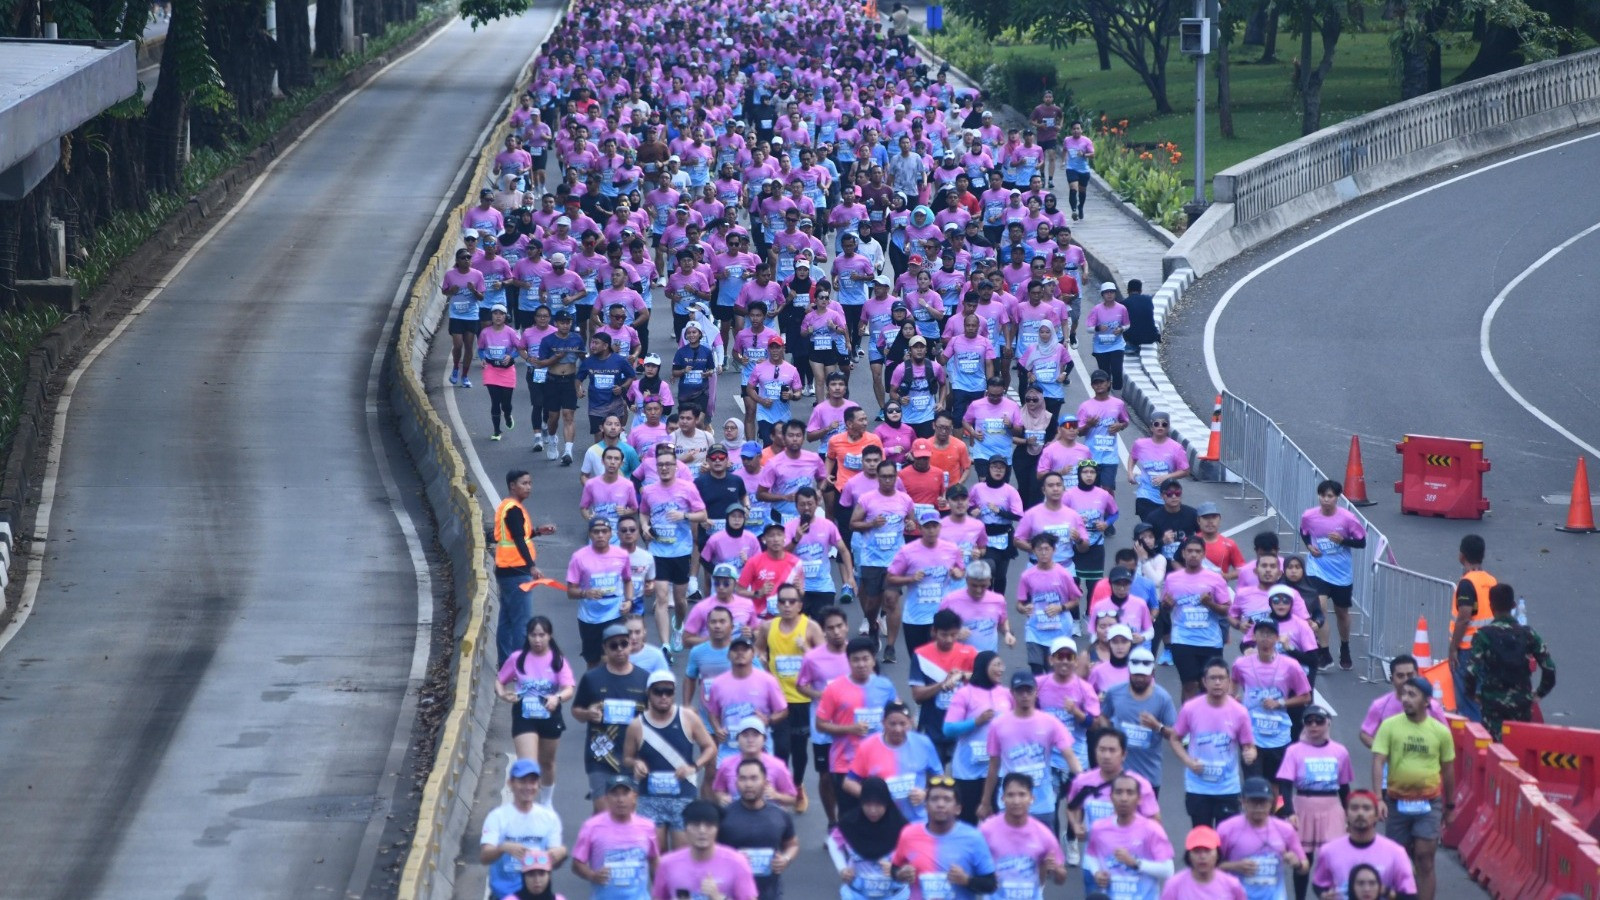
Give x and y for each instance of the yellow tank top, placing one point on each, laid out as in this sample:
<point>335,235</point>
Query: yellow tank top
<point>787,650</point>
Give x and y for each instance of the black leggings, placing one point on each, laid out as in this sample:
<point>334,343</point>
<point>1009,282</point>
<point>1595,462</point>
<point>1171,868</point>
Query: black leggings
<point>536,410</point>
<point>499,400</point>
<point>791,740</point>
<point>969,792</point>
<point>852,320</point>
<point>1112,363</point>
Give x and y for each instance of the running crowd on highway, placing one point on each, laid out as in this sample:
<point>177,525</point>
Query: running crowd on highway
<point>786,192</point>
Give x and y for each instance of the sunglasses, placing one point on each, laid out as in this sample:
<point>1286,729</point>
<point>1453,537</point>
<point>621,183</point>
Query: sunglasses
<point>1313,720</point>
<point>944,781</point>
<point>1158,424</point>
<point>663,691</point>
<point>617,645</point>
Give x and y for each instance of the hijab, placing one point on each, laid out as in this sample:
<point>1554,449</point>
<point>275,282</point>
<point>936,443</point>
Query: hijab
<point>980,671</point>
<point>1078,471</point>
<point>740,424</point>
<point>988,474</point>
<point>873,840</point>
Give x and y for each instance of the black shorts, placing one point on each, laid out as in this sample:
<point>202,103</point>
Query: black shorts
<point>561,392</point>
<point>485,318</point>
<point>815,602</point>
<point>1342,595</point>
<point>1051,144</point>
<point>819,758</point>
<point>672,569</point>
<point>1268,760</point>
<point>465,326</point>
<point>547,729</point>
<point>595,422</point>
<point>723,313</point>
<point>1190,660</point>
<point>1078,178</point>
<point>873,580</point>
<point>824,358</point>
<point>592,636</point>
<point>538,163</point>
<point>581,313</point>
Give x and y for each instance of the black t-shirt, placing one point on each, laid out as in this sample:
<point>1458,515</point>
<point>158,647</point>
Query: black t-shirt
<point>602,751</point>
<point>720,493</point>
<point>1182,524</point>
<point>766,828</point>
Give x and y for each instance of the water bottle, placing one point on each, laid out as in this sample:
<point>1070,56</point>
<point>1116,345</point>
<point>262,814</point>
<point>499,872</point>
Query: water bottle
<point>1522,611</point>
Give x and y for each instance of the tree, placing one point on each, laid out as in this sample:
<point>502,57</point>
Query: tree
<point>294,44</point>
<point>1138,32</point>
<point>1415,41</point>
<point>1326,18</point>
<point>1228,22</point>
<point>330,28</point>
<point>990,16</point>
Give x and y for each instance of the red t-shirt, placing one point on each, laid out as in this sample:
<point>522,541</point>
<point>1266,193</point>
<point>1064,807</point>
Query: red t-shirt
<point>761,576</point>
<point>1223,553</point>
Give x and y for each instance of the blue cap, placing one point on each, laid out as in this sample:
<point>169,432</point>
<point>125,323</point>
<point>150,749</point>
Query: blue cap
<point>522,768</point>
<point>750,449</point>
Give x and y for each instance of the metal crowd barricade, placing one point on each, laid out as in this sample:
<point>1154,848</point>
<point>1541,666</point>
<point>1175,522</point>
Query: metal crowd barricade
<point>1400,597</point>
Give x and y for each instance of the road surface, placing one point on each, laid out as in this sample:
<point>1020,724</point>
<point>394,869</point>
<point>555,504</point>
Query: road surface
<point>208,696</point>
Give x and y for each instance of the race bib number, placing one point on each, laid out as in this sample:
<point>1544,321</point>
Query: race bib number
<point>663,784</point>
<point>760,860</point>
<point>618,712</point>
<point>900,786</point>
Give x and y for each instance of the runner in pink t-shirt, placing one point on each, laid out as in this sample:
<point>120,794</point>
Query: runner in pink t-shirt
<point>684,872</point>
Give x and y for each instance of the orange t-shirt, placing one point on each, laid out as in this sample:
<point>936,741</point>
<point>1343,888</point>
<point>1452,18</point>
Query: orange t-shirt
<point>954,459</point>
<point>845,455</point>
<point>926,488</point>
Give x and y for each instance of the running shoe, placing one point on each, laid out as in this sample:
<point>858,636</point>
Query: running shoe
<point>865,628</point>
<point>510,422</point>
<point>566,459</point>
<point>675,642</point>
<point>1074,853</point>
<point>495,436</point>
<point>538,442</point>
<point>694,585</point>
<point>1166,657</point>
<point>455,377</point>
<point>551,451</point>
<point>888,656</point>
<point>1345,662</point>
<point>466,382</point>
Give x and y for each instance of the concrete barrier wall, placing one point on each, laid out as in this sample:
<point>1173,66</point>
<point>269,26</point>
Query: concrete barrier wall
<point>1288,186</point>
<point>429,870</point>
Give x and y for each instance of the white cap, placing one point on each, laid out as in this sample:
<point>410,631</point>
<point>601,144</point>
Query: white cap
<point>661,676</point>
<point>498,307</point>
<point>751,722</point>
<point>1141,662</point>
<point>1108,286</point>
<point>1121,631</point>
<point>651,360</point>
<point>558,259</point>
<point>1063,643</point>
<point>563,220</point>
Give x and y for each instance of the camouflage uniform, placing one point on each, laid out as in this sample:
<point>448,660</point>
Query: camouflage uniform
<point>1499,676</point>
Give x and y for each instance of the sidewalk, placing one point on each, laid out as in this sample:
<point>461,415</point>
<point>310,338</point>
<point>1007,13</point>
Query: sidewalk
<point>1120,244</point>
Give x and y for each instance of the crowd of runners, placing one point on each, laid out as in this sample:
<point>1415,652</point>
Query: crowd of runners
<point>821,313</point>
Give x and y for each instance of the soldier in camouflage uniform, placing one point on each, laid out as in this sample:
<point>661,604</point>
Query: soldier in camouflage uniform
<point>1499,675</point>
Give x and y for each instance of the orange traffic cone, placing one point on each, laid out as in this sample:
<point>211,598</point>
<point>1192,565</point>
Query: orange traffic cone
<point>1580,510</point>
<point>1214,444</point>
<point>1419,645</point>
<point>1355,476</point>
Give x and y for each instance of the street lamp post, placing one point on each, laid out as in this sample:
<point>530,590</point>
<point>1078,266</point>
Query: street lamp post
<point>1194,39</point>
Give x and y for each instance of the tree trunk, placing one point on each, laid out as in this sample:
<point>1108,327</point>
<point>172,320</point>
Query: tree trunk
<point>1311,93</point>
<point>167,114</point>
<point>1156,81</point>
<point>330,30</point>
<point>369,17</point>
<point>1435,66</point>
<point>1269,51</point>
<point>1500,51</point>
<point>1102,42</point>
<point>1255,28</point>
<point>1224,81</point>
<point>294,45</point>
<point>236,33</point>
<point>1413,68</point>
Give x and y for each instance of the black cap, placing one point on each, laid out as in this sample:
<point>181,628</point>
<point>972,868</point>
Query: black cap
<point>1313,711</point>
<point>739,637</point>
<point>1257,788</point>
<point>702,811</point>
<point>1023,680</point>
<point>1099,375</point>
<point>1120,573</point>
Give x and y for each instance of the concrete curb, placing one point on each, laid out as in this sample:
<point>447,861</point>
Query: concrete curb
<point>66,339</point>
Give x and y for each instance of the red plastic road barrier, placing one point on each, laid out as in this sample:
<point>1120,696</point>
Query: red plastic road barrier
<point>1441,477</point>
<point>1487,844</point>
<point>1472,760</point>
<point>1532,839</point>
<point>1566,762</point>
<point>1571,861</point>
<point>1506,874</point>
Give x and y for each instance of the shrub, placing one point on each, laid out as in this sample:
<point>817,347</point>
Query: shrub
<point>1149,177</point>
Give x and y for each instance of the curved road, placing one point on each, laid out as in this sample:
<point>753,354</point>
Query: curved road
<point>208,697</point>
<point>1370,324</point>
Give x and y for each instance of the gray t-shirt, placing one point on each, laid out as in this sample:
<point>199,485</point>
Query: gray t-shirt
<point>757,833</point>
<point>1122,710</point>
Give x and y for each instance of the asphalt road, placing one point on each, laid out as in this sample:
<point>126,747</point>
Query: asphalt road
<point>208,697</point>
<point>555,500</point>
<point>1375,330</point>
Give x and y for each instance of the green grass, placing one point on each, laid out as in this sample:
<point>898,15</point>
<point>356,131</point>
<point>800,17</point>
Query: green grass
<point>1265,114</point>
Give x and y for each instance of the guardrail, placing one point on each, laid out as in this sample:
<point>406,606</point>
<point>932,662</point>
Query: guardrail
<point>1257,450</point>
<point>1350,148</point>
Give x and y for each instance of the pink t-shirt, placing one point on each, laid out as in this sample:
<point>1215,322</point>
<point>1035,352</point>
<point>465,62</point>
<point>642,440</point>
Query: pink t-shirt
<point>1104,676</point>
<point>680,873</point>
<point>785,475</point>
<point>723,547</point>
<point>1064,523</point>
<point>607,572</point>
<point>730,698</point>
<point>1023,743</point>
<point>1388,706</point>
<point>1335,859</point>
<point>1097,803</point>
<point>922,598</point>
<point>534,675</point>
<point>1216,734</point>
<point>606,499</point>
<point>625,848</point>
<point>1278,680</point>
<point>982,617</point>
<point>743,610</point>
<point>1153,458</point>
<point>829,419</point>
<point>499,345</point>
<point>1043,587</point>
<point>1133,613</point>
<point>1222,886</point>
<point>1265,846</point>
<point>1062,458</point>
<point>1312,768</point>
<point>968,534</point>
<point>1142,837</point>
<point>777,773</point>
<point>1018,851</point>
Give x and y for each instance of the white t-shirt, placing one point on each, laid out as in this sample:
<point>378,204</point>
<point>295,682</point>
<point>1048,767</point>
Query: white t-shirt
<point>538,827</point>
<point>644,569</point>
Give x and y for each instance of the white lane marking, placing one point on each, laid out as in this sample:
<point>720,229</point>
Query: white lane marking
<point>1488,355</point>
<point>1246,525</point>
<point>367,852</point>
<point>52,468</point>
<point>1210,346</point>
<point>468,448</point>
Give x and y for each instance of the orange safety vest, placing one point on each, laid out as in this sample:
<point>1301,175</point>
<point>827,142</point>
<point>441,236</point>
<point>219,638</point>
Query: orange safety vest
<point>1481,582</point>
<point>506,555</point>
